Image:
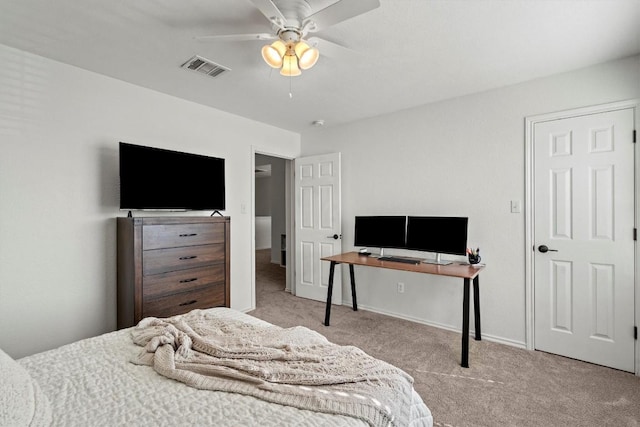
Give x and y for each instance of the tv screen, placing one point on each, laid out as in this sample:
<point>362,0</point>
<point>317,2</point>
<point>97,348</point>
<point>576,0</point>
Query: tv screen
<point>158,179</point>
<point>380,231</point>
<point>447,235</point>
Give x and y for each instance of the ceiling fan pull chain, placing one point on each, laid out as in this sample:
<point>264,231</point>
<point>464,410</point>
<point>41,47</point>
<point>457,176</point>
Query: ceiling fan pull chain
<point>290,91</point>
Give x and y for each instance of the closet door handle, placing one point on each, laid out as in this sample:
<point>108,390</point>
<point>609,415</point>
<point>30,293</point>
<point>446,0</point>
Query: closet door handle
<point>182,258</point>
<point>544,249</point>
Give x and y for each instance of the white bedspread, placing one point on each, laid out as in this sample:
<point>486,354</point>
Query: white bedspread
<point>22,403</point>
<point>92,383</point>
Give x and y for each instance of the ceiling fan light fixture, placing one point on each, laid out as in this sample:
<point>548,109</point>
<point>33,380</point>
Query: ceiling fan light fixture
<point>290,66</point>
<point>290,57</point>
<point>307,56</point>
<point>273,53</point>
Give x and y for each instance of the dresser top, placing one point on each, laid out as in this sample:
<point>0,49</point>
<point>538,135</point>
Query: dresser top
<point>169,220</point>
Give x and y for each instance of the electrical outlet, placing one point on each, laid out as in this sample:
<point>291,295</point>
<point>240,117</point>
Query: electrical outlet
<point>400,287</point>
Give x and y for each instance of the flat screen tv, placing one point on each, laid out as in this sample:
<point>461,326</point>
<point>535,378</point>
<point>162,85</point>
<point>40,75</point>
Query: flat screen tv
<point>380,231</point>
<point>159,179</point>
<point>441,235</point>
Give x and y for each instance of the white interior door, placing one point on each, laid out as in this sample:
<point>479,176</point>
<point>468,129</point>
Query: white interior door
<point>584,214</point>
<point>317,224</point>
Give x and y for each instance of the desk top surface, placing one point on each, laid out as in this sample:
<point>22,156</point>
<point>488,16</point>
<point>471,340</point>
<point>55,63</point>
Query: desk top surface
<point>454,270</point>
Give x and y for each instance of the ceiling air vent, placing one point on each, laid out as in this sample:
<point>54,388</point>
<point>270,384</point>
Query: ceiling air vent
<point>204,66</point>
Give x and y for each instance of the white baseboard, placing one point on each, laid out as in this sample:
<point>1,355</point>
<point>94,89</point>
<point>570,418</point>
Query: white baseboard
<point>488,337</point>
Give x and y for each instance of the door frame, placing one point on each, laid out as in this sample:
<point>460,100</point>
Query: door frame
<point>530,123</point>
<point>289,224</point>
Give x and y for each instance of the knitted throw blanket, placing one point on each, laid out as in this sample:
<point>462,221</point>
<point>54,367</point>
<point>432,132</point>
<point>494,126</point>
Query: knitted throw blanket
<point>295,367</point>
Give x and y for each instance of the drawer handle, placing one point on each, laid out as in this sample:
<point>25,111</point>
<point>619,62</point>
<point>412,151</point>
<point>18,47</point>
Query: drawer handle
<point>193,301</point>
<point>189,280</point>
<point>188,235</point>
<point>182,258</point>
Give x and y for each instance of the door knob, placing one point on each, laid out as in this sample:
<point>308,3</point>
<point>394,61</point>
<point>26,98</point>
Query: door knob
<point>335,237</point>
<point>544,249</point>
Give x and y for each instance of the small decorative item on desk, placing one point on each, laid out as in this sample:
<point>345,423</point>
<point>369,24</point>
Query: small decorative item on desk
<point>474,256</point>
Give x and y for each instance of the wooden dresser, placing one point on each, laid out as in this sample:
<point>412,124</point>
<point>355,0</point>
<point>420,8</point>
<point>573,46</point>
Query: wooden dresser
<point>171,265</point>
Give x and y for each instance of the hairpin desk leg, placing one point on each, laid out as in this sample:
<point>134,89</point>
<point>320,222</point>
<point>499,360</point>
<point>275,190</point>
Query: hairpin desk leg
<point>327,313</point>
<point>353,288</point>
<point>476,306</point>
<point>465,325</point>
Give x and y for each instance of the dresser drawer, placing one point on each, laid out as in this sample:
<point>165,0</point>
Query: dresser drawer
<point>182,280</point>
<point>211,296</point>
<point>166,260</point>
<point>177,235</point>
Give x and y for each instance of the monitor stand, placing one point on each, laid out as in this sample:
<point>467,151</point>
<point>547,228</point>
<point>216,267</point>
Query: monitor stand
<point>437,261</point>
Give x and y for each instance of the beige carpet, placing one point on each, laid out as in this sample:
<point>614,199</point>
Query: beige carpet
<point>504,386</point>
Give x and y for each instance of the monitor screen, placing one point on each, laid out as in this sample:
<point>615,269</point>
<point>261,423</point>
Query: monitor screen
<point>446,235</point>
<point>380,231</point>
<point>154,178</point>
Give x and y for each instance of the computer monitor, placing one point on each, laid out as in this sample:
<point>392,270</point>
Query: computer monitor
<point>380,232</point>
<point>441,235</point>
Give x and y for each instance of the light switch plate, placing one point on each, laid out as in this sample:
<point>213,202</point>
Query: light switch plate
<point>515,206</point>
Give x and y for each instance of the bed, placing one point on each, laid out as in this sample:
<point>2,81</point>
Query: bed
<point>95,382</point>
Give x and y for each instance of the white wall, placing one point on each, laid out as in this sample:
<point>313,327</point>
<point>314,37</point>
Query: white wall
<point>278,208</point>
<point>263,196</point>
<point>263,232</point>
<point>462,157</point>
<point>59,133</point>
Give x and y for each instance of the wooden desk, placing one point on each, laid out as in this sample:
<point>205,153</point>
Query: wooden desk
<point>463,271</point>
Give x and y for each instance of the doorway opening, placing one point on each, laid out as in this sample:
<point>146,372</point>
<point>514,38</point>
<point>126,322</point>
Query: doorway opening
<point>271,225</point>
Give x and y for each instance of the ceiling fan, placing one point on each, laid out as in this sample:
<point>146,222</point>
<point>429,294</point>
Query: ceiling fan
<point>291,22</point>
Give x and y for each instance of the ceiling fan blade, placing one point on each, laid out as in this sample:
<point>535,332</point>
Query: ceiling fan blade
<point>340,11</point>
<point>237,37</point>
<point>331,49</point>
<point>270,11</point>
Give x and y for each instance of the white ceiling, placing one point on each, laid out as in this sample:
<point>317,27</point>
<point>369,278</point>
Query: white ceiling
<point>409,52</point>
